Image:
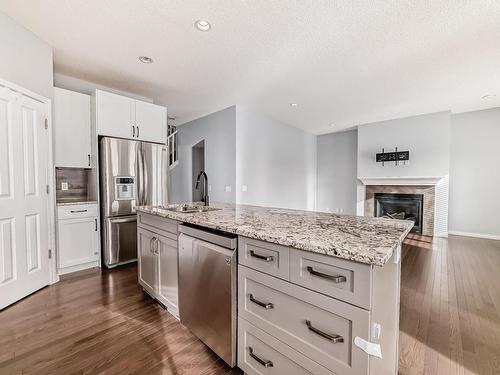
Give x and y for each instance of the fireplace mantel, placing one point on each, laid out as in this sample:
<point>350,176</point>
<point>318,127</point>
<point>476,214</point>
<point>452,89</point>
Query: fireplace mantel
<point>400,180</point>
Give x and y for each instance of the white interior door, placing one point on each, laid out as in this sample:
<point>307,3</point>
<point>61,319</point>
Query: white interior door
<point>24,220</point>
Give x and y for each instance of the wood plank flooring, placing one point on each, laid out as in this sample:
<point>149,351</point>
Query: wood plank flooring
<point>101,323</point>
<point>450,306</point>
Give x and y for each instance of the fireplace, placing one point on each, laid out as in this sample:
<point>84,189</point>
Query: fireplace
<point>400,206</point>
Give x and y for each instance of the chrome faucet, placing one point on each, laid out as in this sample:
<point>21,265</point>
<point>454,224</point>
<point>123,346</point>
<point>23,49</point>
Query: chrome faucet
<point>204,193</point>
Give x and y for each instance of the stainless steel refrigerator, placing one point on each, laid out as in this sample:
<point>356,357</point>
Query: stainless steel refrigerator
<point>132,174</point>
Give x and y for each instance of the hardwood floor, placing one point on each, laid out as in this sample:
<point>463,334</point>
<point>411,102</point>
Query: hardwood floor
<point>100,323</point>
<point>450,306</point>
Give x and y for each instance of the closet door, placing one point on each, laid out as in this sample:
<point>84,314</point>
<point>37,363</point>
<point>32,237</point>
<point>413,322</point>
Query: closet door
<point>24,171</point>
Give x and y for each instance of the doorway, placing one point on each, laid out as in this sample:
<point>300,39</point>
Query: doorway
<point>198,165</point>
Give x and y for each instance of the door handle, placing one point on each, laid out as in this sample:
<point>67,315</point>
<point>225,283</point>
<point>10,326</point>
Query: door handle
<point>157,241</point>
<point>151,244</point>
<point>77,211</point>
<point>335,278</point>
<point>137,132</point>
<point>269,258</point>
<point>264,362</point>
<point>133,131</point>
<point>333,338</point>
<point>89,159</point>
<point>266,305</point>
<point>95,220</point>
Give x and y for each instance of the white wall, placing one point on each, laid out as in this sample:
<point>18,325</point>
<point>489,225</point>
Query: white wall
<point>275,161</point>
<point>336,173</point>
<point>86,87</point>
<point>24,58</point>
<point>219,132</point>
<point>474,205</point>
<point>427,137</point>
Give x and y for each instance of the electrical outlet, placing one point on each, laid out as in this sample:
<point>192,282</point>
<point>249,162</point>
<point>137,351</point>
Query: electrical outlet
<point>64,186</point>
<point>341,210</point>
<point>244,188</point>
<point>376,331</point>
<point>228,188</point>
<point>209,188</point>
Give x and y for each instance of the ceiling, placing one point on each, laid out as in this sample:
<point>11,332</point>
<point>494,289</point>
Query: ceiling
<point>344,62</point>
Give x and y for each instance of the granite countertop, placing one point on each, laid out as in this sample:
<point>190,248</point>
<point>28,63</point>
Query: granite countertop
<point>72,203</point>
<point>361,239</point>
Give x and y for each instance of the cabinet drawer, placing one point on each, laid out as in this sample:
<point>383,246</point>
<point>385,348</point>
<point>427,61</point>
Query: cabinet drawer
<point>338,278</point>
<point>160,225</point>
<point>260,353</point>
<point>264,256</point>
<point>74,211</point>
<point>317,326</point>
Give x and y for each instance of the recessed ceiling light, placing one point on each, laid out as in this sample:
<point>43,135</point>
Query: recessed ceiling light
<point>488,96</point>
<point>202,25</point>
<point>293,105</point>
<point>145,59</point>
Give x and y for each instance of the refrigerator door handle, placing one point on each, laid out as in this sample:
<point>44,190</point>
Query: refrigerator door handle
<point>140,177</point>
<point>145,178</point>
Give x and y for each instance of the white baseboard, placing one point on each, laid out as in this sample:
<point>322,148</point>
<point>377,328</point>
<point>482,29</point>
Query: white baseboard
<point>477,235</point>
<point>78,267</point>
<point>442,234</point>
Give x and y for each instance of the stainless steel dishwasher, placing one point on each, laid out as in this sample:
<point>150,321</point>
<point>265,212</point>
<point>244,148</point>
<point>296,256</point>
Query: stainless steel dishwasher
<point>207,288</point>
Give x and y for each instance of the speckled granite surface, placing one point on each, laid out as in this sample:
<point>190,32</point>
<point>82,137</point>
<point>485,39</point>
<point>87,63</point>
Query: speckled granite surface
<point>74,203</point>
<point>361,239</point>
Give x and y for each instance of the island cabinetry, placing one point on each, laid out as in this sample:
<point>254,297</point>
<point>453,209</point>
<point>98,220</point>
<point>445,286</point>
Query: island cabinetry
<point>157,258</point>
<point>315,305</point>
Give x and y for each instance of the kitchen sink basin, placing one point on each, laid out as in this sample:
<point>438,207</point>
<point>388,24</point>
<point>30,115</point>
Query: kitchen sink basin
<point>191,209</point>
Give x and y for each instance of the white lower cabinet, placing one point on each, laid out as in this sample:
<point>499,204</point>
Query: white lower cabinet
<point>147,261</point>
<point>319,327</point>
<point>78,238</point>
<point>260,353</point>
<point>300,312</point>
<point>157,259</point>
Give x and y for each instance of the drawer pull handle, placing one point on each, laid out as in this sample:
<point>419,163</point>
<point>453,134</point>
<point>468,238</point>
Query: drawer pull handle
<point>333,338</point>
<point>76,211</point>
<point>336,279</point>
<point>263,362</point>
<point>269,258</point>
<point>265,305</point>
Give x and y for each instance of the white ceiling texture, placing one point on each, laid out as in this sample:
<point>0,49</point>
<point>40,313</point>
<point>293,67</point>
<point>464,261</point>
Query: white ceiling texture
<point>344,62</point>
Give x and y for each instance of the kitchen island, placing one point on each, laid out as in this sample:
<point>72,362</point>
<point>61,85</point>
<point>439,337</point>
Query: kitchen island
<point>317,292</point>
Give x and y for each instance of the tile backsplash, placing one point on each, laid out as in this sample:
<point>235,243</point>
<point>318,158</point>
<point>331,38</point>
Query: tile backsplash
<point>75,182</point>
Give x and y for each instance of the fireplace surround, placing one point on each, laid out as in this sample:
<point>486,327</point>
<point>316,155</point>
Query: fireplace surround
<point>400,206</point>
<point>429,204</point>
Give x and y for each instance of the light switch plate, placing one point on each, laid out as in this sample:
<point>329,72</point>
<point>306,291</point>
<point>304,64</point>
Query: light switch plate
<point>64,186</point>
<point>244,188</point>
<point>228,188</point>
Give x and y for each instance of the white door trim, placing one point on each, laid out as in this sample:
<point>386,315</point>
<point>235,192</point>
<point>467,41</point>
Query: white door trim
<point>53,277</point>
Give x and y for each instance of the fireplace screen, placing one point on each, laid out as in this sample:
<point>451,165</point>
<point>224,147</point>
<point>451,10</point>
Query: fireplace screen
<point>400,206</point>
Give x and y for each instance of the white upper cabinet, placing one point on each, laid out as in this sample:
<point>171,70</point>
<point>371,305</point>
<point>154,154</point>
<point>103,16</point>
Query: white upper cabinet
<point>123,117</point>
<point>150,122</point>
<point>72,132</point>
<point>115,115</point>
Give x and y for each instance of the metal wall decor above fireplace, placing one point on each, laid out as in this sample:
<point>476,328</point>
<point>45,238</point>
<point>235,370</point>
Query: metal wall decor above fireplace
<point>400,206</point>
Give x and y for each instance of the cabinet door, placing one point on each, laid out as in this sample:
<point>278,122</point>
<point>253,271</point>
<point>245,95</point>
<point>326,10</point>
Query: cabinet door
<point>147,261</point>
<point>167,274</point>
<point>151,122</point>
<point>72,129</point>
<point>78,241</point>
<point>115,115</point>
